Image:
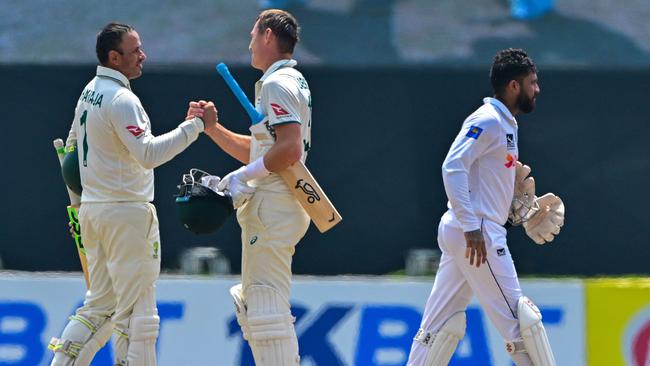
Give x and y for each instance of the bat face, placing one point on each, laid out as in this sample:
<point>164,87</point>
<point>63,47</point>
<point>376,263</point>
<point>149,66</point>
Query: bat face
<point>308,189</point>
<point>311,196</point>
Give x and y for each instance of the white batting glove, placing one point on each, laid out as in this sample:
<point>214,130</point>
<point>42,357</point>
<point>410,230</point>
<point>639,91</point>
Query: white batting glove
<point>211,181</point>
<point>545,224</point>
<point>238,190</point>
<point>236,183</point>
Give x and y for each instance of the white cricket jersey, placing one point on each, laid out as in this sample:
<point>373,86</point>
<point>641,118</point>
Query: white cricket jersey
<point>479,170</point>
<point>283,96</point>
<point>117,152</point>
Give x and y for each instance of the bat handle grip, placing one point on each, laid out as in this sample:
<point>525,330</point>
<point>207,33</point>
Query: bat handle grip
<point>254,115</point>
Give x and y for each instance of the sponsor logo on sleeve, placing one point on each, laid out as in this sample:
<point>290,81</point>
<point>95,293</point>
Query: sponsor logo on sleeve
<point>474,132</point>
<point>135,131</point>
<point>510,161</point>
<point>510,141</point>
<point>278,110</point>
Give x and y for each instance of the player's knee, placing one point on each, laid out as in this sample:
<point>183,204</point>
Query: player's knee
<point>268,314</point>
<point>82,338</point>
<point>237,294</point>
<point>144,328</point>
<point>533,340</point>
<point>442,344</point>
<point>454,327</point>
<point>136,345</point>
<point>269,327</point>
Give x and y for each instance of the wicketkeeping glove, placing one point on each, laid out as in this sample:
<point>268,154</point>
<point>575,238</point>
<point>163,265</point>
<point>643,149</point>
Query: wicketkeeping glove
<point>546,222</point>
<point>523,202</point>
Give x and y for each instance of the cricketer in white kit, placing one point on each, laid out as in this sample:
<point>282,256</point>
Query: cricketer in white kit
<point>486,186</point>
<point>282,94</point>
<point>271,219</point>
<point>117,154</point>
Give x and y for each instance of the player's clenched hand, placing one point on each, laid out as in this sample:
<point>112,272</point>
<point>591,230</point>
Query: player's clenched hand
<point>210,116</point>
<point>74,229</point>
<point>194,110</point>
<point>236,187</point>
<point>206,111</point>
<point>475,250</point>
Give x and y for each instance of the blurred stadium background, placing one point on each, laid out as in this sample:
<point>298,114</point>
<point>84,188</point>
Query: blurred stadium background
<point>392,80</point>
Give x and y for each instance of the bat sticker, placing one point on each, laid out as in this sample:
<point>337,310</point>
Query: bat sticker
<point>309,190</point>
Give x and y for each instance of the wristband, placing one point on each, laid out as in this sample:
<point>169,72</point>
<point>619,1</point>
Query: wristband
<point>256,169</point>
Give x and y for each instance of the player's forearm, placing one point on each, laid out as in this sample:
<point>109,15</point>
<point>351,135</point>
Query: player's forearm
<point>236,145</point>
<point>157,150</point>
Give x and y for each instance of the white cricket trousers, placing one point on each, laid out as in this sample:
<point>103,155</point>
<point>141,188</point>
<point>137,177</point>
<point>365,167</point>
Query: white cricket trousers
<point>123,251</point>
<point>494,283</point>
<point>272,225</point>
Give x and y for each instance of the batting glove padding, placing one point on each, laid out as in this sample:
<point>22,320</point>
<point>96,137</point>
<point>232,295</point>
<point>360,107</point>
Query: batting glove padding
<point>236,183</point>
<point>545,224</point>
<point>211,181</point>
<point>233,185</point>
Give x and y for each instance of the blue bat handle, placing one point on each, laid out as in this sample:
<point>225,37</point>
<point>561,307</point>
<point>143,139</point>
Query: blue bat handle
<point>255,116</point>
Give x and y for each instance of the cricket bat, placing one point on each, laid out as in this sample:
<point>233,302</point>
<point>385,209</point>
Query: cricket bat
<point>75,201</point>
<point>302,183</point>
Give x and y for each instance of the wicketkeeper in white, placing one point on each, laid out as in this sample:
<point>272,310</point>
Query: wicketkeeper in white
<point>487,186</point>
<point>271,219</point>
<point>117,154</point>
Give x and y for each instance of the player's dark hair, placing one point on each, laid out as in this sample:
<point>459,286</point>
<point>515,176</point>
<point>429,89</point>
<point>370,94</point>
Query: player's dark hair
<point>510,64</point>
<point>110,39</point>
<point>283,25</point>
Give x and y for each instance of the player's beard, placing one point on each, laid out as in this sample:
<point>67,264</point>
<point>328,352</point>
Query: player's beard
<point>525,103</point>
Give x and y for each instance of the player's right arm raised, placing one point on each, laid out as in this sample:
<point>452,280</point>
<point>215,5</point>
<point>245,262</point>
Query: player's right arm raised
<point>236,145</point>
<point>149,150</point>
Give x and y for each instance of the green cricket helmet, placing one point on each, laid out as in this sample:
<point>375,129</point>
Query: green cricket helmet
<point>201,209</point>
<point>70,170</point>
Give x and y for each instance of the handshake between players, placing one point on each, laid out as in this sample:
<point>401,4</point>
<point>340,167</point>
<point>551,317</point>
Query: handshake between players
<point>235,183</point>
